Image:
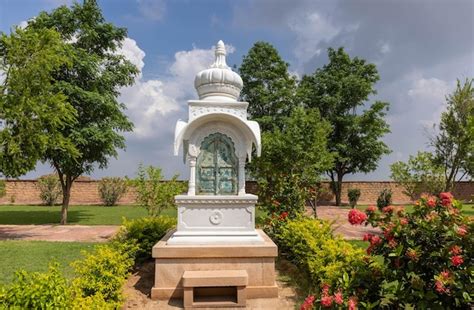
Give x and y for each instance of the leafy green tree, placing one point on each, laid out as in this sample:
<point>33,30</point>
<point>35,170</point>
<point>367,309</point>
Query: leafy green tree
<point>420,174</point>
<point>470,165</point>
<point>33,107</point>
<point>268,86</point>
<point>293,159</point>
<point>454,139</point>
<point>92,85</point>
<point>339,90</point>
<point>153,193</point>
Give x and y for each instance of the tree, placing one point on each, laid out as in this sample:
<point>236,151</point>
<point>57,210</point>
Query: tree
<point>33,107</point>
<point>339,90</point>
<point>153,193</point>
<point>419,175</point>
<point>268,86</point>
<point>91,85</point>
<point>293,159</point>
<point>454,139</point>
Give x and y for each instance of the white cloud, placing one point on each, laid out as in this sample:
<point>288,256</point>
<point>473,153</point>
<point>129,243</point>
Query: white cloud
<point>150,102</point>
<point>152,9</point>
<point>310,30</point>
<point>385,48</point>
<point>428,94</point>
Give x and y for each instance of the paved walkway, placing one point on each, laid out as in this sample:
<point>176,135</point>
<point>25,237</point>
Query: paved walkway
<point>342,225</point>
<point>101,233</point>
<point>80,233</point>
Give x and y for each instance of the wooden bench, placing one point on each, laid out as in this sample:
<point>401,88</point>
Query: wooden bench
<point>214,288</point>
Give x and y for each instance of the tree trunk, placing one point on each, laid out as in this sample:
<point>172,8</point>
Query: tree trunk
<point>338,187</point>
<point>66,197</point>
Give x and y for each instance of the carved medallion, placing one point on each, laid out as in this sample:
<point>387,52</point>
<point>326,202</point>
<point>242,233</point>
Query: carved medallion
<point>216,217</point>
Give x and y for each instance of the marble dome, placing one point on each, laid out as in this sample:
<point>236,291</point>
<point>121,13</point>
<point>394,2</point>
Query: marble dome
<point>219,81</point>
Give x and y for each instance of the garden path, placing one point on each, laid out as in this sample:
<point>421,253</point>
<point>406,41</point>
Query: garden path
<point>80,233</point>
<point>101,233</point>
<point>341,224</point>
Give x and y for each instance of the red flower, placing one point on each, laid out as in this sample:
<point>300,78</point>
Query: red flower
<point>440,288</point>
<point>338,298</point>
<point>457,260</point>
<point>371,209</point>
<point>308,303</point>
<point>356,217</point>
<point>403,221</point>
<point>388,209</point>
<point>375,240</point>
<point>325,288</point>
<point>461,231</point>
<point>455,250</point>
<point>431,202</point>
<point>283,215</point>
<point>445,274</point>
<point>352,303</point>
<point>326,301</point>
<point>446,199</point>
<point>367,237</point>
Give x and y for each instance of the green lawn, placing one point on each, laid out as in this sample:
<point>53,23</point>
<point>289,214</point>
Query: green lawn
<point>80,215</point>
<point>359,243</point>
<point>83,215</point>
<point>35,256</point>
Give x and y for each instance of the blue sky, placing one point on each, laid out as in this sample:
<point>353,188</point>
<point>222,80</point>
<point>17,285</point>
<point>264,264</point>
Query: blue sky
<point>420,47</point>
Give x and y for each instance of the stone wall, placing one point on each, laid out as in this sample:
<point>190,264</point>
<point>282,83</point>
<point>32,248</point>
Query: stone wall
<point>84,192</point>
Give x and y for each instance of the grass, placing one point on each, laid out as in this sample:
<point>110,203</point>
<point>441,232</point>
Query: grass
<point>36,255</point>
<point>359,244</point>
<point>80,215</point>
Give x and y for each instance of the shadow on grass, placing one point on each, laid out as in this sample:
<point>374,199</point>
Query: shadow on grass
<point>43,216</point>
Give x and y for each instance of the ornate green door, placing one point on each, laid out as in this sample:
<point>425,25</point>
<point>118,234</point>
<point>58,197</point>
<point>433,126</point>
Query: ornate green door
<point>217,166</point>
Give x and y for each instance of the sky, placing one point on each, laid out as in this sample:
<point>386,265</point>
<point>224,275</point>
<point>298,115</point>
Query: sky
<point>420,48</point>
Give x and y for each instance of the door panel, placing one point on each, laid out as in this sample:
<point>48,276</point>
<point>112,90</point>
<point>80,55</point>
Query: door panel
<point>217,166</point>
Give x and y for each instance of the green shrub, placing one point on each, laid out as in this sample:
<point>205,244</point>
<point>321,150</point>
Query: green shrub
<point>111,190</point>
<point>104,271</point>
<point>384,199</point>
<point>145,233</point>
<point>353,194</point>
<point>326,259</point>
<point>34,290</point>
<point>153,193</point>
<point>50,189</point>
<point>3,189</point>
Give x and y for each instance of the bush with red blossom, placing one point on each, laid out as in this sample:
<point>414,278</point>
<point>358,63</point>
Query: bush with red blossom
<point>356,217</point>
<point>429,254</point>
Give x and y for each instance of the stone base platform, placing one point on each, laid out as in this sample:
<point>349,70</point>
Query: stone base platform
<point>171,261</point>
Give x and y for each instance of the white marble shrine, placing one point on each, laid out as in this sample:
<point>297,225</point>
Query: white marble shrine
<point>217,140</point>
<point>216,257</point>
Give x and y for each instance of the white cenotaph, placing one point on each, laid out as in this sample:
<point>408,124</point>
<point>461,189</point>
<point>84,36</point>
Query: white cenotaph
<point>216,257</point>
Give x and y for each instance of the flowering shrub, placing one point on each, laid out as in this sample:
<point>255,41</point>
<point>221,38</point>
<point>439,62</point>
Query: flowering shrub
<point>336,270</point>
<point>429,253</point>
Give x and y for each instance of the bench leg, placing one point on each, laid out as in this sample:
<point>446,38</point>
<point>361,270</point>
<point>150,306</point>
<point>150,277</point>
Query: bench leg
<point>241,296</point>
<point>188,297</point>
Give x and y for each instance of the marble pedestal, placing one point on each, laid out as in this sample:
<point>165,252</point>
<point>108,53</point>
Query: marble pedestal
<point>213,219</point>
<point>257,259</point>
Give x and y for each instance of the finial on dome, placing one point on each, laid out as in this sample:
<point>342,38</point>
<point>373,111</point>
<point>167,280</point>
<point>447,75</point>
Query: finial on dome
<point>218,82</point>
<point>220,56</point>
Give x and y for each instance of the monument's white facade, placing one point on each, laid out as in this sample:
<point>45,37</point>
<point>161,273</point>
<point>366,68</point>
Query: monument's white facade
<point>217,140</point>
<point>216,257</point>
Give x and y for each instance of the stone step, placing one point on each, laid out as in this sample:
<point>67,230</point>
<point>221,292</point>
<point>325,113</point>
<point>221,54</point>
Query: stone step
<point>214,288</point>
